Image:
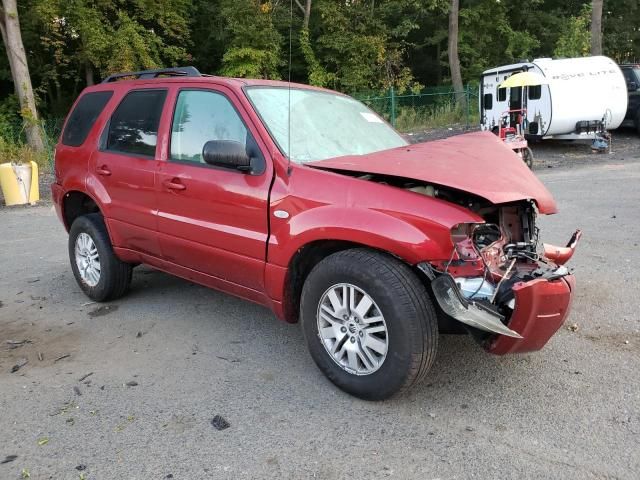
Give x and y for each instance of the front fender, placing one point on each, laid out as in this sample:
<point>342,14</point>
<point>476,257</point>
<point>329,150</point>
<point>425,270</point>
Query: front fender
<point>411,238</point>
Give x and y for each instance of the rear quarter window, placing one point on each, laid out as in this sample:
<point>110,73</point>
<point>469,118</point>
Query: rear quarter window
<point>83,116</point>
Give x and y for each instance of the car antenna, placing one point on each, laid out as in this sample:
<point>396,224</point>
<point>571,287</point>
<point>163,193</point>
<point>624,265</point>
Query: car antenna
<point>289,90</point>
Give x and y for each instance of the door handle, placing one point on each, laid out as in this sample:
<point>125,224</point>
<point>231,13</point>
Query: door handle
<point>174,184</point>
<point>103,170</point>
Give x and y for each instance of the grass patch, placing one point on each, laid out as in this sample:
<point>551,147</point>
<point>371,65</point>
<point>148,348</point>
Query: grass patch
<point>19,152</point>
<point>442,115</point>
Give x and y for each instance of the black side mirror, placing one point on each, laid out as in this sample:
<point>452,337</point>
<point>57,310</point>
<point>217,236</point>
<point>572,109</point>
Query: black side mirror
<point>227,153</point>
<point>632,86</point>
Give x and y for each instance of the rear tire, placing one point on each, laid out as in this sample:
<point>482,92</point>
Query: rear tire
<point>100,274</point>
<point>400,313</point>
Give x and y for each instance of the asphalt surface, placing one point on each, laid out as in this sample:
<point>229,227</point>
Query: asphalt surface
<point>171,355</point>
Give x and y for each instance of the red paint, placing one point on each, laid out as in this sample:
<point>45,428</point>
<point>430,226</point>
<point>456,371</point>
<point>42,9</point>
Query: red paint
<point>217,227</point>
<point>541,309</point>
<point>477,163</point>
<point>561,255</point>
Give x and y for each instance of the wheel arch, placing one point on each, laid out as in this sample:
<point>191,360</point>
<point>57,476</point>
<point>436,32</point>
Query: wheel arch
<point>76,203</point>
<point>310,255</point>
<point>307,240</point>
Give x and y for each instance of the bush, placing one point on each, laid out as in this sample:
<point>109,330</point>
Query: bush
<point>18,152</point>
<point>437,116</point>
<point>13,143</point>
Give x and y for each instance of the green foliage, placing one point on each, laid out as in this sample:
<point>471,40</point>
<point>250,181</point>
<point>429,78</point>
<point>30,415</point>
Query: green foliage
<point>247,62</point>
<point>318,75</point>
<point>575,40</point>
<point>621,32</point>
<point>10,121</point>
<point>254,44</point>
<point>487,38</point>
<point>351,45</point>
<point>71,40</point>
<point>13,145</point>
<point>433,107</point>
<point>358,49</point>
<point>18,152</point>
<point>447,114</point>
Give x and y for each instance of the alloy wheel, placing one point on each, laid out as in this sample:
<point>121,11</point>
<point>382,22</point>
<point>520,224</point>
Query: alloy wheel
<point>352,329</point>
<point>87,259</point>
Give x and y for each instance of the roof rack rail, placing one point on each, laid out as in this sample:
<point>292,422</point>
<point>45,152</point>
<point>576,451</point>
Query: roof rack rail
<point>172,72</point>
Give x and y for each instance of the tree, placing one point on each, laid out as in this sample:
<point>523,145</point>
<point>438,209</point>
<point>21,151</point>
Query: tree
<point>454,59</point>
<point>12,39</point>
<point>622,39</point>
<point>574,39</point>
<point>254,44</point>
<point>73,43</point>
<point>596,27</point>
<point>306,12</point>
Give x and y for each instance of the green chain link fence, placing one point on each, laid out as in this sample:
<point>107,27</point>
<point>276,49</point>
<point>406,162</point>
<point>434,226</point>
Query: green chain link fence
<point>434,107</point>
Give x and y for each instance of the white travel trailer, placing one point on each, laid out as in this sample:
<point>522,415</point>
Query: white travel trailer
<point>583,96</point>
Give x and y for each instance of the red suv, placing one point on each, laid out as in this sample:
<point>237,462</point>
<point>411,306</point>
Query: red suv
<point>305,201</point>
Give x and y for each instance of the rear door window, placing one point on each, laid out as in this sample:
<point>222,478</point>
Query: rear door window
<point>133,128</point>
<point>81,120</point>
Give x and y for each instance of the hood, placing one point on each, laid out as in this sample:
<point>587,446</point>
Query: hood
<point>478,163</point>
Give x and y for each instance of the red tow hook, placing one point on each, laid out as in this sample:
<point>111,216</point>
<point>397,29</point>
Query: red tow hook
<point>561,255</point>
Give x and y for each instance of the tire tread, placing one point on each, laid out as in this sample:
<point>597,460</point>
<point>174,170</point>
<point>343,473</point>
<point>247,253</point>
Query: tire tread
<point>118,273</point>
<point>410,293</point>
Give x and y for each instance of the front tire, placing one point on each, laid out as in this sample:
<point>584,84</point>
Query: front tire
<point>369,323</point>
<point>100,274</point>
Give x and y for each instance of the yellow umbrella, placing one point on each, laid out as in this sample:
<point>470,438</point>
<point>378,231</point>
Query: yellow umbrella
<point>524,79</point>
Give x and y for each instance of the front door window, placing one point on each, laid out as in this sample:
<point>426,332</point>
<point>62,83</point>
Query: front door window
<point>201,116</point>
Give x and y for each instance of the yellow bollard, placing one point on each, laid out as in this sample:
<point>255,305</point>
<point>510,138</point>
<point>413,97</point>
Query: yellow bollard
<point>19,183</point>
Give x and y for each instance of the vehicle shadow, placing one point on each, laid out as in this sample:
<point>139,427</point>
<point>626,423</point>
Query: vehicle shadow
<point>462,373</point>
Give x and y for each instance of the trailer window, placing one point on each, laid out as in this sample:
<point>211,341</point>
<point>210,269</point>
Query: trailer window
<point>502,94</point>
<point>487,101</point>
<point>535,92</point>
<point>516,96</point>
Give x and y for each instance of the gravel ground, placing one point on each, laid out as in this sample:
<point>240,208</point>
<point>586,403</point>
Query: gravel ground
<point>163,361</point>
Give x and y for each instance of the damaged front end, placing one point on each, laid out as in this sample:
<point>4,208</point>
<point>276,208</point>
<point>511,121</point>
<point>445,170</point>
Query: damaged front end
<point>511,294</point>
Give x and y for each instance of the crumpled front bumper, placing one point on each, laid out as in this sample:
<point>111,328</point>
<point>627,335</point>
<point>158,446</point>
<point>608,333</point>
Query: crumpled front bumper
<point>541,307</point>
